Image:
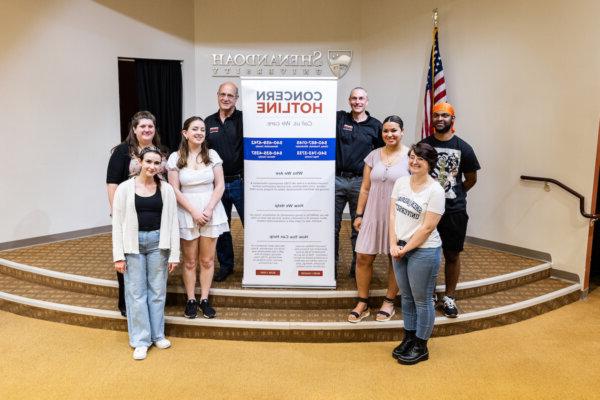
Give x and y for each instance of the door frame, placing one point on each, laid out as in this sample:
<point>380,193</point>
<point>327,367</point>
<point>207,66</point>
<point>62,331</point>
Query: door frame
<point>590,243</point>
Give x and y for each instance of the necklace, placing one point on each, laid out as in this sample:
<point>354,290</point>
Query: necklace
<point>389,160</point>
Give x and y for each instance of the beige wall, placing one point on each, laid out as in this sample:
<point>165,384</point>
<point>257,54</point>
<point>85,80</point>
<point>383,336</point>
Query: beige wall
<point>60,104</point>
<point>285,26</point>
<point>522,75</point>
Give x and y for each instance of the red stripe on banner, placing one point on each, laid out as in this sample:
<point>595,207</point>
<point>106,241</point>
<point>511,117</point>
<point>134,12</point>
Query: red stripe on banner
<point>439,82</point>
<point>438,97</point>
<point>439,90</point>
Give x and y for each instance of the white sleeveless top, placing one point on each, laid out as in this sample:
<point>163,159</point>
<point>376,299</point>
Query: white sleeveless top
<point>197,186</point>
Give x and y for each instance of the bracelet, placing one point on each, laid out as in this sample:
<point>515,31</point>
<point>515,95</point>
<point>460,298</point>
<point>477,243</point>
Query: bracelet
<point>358,216</point>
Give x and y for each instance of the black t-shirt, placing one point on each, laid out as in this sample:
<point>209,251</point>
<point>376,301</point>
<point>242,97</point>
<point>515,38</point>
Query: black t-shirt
<point>149,210</point>
<point>354,141</point>
<point>118,165</point>
<point>227,139</point>
<point>455,157</point>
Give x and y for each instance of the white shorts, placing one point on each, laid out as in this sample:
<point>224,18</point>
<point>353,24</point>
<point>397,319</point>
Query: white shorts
<point>212,231</point>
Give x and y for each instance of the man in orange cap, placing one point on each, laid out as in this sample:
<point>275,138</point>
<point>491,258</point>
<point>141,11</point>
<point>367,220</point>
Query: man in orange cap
<point>456,159</point>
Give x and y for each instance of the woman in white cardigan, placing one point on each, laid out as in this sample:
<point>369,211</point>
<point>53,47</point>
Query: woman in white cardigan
<point>145,248</point>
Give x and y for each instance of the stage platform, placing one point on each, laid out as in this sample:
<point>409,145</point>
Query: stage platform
<point>73,282</point>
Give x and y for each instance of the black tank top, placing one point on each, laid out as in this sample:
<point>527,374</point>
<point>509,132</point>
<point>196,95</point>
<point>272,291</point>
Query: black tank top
<point>149,210</point>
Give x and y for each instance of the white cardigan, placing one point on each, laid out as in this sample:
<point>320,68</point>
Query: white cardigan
<point>125,222</point>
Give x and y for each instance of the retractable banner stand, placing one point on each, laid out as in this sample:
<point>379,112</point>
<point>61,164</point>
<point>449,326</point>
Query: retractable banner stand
<point>289,182</point>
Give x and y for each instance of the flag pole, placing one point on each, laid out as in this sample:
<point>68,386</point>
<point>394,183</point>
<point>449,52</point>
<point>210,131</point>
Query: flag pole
<point>431,57</point>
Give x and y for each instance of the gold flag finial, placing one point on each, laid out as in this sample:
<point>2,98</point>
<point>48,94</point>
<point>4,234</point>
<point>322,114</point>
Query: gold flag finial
<point>435,17</point>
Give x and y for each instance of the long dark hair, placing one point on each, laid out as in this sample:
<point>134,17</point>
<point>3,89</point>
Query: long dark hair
<point>131,139</point>
<point>156,150</point>
<point>184,147</point>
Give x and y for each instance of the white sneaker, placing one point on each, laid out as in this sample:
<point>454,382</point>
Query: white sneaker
<point>140,353</point>
<point>163,343</point>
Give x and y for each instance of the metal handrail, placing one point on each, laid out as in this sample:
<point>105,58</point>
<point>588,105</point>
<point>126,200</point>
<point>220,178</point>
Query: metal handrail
<point>593,217</point>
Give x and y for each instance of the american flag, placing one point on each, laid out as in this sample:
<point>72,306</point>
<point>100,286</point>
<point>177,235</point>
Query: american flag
<point>435,79</point>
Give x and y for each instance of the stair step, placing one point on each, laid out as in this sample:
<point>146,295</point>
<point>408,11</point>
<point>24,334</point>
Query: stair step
<point>84,265</point>
<point>265,298</point>
<point>74,282</point>
<point>506,306</point>
<point>92,257</point>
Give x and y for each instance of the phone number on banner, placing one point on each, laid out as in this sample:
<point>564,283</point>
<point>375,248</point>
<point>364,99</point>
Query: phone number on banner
<point>289,149</point>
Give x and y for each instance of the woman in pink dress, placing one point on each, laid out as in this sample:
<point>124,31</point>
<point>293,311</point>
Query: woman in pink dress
<point>382,167</point>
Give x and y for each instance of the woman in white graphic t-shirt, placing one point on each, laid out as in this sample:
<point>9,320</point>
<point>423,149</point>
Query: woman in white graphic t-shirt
<point>417,205</point>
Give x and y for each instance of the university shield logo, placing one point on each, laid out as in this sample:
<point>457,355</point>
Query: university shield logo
<point>339,61</point>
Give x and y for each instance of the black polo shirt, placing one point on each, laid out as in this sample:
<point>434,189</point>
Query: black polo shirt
<point>227,139</point>
<point>354,141</point>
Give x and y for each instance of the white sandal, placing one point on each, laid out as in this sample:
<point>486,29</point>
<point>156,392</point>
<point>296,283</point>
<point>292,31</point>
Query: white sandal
<point>355,317</point>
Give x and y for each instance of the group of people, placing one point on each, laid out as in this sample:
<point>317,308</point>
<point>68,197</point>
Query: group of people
<point>399,198</point>
<point>408,203</point>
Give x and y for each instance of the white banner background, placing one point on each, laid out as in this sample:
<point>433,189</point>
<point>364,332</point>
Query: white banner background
<point>289,182</point>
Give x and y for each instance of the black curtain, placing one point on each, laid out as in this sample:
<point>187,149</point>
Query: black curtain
<point>159,88</point>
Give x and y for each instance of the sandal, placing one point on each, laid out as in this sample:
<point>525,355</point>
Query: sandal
<point>383,316</point>
<point>355,317</point>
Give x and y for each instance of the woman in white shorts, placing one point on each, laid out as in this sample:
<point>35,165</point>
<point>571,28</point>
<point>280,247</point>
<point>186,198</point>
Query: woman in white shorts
<point>196,174</point>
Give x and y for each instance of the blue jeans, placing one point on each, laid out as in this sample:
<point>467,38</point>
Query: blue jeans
<point>346,191</point>
<point>146,291</point>
<point>233,195</point>
<point>416,274</point>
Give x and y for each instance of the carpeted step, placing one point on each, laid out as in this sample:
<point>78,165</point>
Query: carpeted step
<point>84,265</point>
<point>92,257</point>
<point>502,307</point>
<point>265,298</point>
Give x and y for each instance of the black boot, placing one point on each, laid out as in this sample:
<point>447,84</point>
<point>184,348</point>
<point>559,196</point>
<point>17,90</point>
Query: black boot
<point>406,344</point>
<point>416,354</point>
<point>121,304</point>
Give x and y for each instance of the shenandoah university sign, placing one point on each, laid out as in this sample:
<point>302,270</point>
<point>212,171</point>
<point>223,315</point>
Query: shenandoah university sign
<point>281,64</point>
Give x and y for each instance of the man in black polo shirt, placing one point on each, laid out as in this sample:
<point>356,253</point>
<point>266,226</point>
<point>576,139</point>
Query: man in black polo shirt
<point>456,159</point>
<point>357,134</point>
<point>224,134</point>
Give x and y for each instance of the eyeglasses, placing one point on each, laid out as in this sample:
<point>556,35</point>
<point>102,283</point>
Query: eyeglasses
<point>228,95</point>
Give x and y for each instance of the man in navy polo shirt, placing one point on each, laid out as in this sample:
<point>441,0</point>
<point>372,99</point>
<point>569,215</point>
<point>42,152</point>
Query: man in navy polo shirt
<point>357,134</point>
<point>225,134</point>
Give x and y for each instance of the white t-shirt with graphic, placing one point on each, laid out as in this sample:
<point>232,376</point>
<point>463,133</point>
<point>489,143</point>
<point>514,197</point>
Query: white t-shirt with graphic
<point>412,206</point>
